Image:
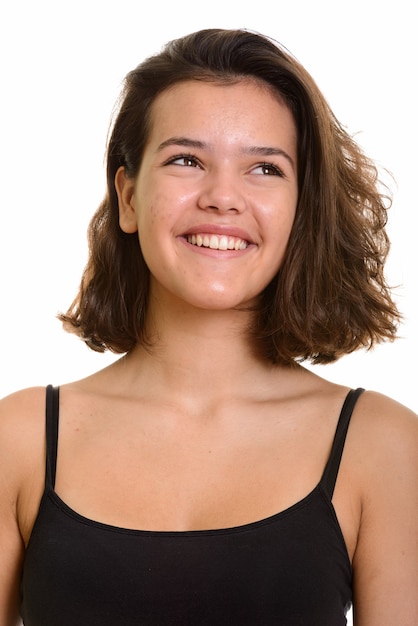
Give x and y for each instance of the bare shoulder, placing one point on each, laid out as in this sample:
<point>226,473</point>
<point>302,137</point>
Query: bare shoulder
<point>21,416</point>
<point>23,397</point>
<point>380,405</point>
<point>389,426</point>
<point>21,483</point>
<point>383,441</point>
<point>22,449</point>
<point>384,444</point>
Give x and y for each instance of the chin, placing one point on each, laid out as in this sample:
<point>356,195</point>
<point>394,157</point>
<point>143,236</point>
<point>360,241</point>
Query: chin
<point>224,303</point>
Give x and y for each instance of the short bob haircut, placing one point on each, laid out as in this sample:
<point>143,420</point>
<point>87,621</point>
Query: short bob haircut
<point>330,296</point>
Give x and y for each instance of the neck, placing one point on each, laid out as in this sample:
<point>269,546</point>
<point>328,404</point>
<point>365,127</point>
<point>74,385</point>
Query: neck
<point>196,353</point>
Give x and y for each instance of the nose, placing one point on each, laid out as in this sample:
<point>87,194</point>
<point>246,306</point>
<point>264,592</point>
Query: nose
<point>222,191</point>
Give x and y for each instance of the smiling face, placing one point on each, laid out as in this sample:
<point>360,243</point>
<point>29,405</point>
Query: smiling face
<point>216,194</point>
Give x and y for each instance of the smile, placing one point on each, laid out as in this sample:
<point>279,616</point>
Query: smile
<point>217,242</point>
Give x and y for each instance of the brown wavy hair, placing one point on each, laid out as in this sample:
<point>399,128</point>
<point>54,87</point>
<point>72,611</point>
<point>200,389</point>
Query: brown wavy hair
<point>330,296</point>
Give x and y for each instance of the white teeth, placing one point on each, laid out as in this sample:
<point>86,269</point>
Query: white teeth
<point>223,243</point>
<point>215,242</point>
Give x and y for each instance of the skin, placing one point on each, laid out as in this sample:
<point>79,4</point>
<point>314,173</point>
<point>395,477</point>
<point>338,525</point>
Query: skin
<point>209,435</point>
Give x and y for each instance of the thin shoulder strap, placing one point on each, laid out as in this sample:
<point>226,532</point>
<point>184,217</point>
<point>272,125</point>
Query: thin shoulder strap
<point>330,474</point>
<point>52,417</point>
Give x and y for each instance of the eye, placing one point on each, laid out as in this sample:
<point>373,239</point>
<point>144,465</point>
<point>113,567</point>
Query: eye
<point>267,169</point>
<point>183,160</point>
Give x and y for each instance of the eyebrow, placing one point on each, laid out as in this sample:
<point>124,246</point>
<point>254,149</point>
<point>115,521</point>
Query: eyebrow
<point>269,151</point>
<point>265,151</point>
<point>182,141</point>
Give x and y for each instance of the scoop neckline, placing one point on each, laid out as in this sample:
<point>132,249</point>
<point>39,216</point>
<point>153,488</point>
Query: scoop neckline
<point>270,519</point>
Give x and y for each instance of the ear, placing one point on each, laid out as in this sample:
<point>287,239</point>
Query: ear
<point>125,190</point>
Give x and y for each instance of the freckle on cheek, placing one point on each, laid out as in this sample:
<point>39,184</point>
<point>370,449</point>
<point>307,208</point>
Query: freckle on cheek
<point>154,213</point>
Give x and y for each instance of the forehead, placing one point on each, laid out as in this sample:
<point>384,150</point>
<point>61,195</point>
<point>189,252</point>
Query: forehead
<point>196,106</point>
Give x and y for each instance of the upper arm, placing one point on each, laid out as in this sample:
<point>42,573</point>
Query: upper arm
<point>385,563</point>
<point>21,461</point>
<point>11,556</point>
<point>11,544</point>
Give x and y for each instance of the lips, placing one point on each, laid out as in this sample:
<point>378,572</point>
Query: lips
<point>217,242</point>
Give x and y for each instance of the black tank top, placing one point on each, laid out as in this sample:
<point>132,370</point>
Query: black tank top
<point>289,569</point>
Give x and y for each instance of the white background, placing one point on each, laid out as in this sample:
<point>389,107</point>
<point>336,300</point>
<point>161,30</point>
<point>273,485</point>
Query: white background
<point>61,70</point>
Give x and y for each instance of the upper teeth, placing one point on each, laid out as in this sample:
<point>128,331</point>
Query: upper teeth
<point>218,242</point>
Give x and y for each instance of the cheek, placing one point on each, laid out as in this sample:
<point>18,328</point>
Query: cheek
<point>154,233</point>
<point>279,229</point>
<point>279,221</point>
<point>150,215</point>
<point>156,202</point>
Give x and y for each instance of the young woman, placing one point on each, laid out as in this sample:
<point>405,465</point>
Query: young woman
<point>207,477</point>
